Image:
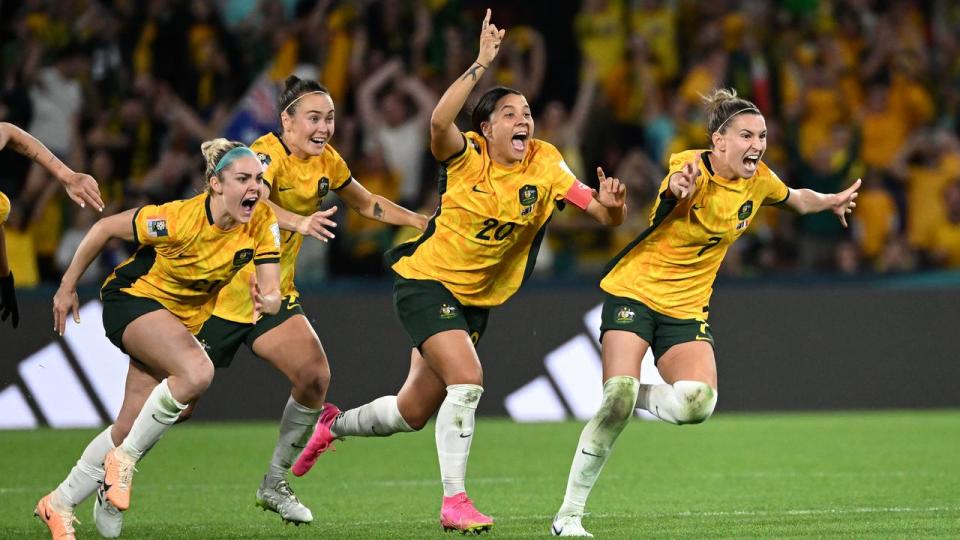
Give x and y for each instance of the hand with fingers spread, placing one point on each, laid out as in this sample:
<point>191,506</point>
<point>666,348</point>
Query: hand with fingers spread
<point>612,192</point>
<point>490,38</point>
<point>8,301</point>
<point>83,190</point>
<point>65,302</point>
<point>845,201</point>
<point>318,224</point>
<point>684,183</point>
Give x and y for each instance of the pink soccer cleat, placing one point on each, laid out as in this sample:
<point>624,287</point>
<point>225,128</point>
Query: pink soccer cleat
<point>319,442</point>
<point>459,514</point>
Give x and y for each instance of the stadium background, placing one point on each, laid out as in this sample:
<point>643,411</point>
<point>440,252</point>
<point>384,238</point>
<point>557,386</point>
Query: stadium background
<point>127,90</point>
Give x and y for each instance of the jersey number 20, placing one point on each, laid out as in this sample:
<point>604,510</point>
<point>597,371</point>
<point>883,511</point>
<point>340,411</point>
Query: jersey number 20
<point>499,231</point>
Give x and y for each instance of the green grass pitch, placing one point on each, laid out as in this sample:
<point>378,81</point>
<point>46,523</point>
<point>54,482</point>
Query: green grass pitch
<point>862,474</point>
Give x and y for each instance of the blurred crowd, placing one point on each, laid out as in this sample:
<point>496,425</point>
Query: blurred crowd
<point>126,90</point>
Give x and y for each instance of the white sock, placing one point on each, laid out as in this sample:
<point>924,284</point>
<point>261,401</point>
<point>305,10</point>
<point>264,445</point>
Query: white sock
<point>379,418</point>
<point>157,415</point>
<point>296,426</point>
<point>85,477</point>
<point>596,441</point>
<point>455,423</point>
<point>683,402</point>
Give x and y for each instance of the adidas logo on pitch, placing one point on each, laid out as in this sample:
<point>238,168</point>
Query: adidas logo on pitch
<point>575,372</point>
<point>76,382</point>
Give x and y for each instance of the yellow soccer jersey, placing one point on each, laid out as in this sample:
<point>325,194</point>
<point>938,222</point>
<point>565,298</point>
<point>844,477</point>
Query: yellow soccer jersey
<point>4,208</point>
<point>482,242</point>
<point>671,266</point>
<point>297,185</point>
<point>185,259</point>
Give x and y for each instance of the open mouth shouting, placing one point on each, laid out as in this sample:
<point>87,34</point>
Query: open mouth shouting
<point>519,141</point>
<point>248,204</point>
<point>750,162</point>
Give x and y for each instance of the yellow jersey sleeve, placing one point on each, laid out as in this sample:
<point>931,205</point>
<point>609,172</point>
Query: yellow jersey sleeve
<point>561,177</point>
<point>267,154</point>
<point>267,235</point>
<point>776,192</point>
<point>155,225</point>
<point>339,171</point>
<point>4,208</point>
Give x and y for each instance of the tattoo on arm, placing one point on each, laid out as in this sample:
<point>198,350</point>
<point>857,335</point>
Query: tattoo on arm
<point>377,211</point>
<point>472,72</point>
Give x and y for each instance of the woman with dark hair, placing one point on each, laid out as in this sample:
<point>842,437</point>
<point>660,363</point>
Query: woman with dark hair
<point>658,287</point>
<point>154,302</point>
<point>498,189</point>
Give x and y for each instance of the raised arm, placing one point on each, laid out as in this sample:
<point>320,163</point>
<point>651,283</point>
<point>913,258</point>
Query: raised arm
<point>373,206</point>
<point>366,94</point>
<point>66,301</point>
<point>422,96</point>
<point>82,188</point>
<point>445,138</point>
<point>609,204</point>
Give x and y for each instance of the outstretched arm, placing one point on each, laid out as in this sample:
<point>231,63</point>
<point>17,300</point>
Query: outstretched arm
<point>445,138</point>
<point>66,301</point>
<point>807,201</point>
<point>82,188</point>
<point>373,206</point>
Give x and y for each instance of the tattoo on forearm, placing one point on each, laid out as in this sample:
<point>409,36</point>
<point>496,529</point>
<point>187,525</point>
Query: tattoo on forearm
<point>472,72</point>
<point>377,211</point>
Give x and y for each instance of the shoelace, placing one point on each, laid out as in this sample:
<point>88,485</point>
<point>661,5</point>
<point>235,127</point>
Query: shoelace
<point>68,520</point>
<point>127,468</point>
<point>283,488</point>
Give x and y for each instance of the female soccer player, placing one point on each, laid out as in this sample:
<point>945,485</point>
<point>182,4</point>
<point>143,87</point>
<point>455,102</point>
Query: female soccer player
<point>499,186</point>
<point>658,288</point>
<point>82,188</point>
<point>155,301</point>
<point>301,168</point>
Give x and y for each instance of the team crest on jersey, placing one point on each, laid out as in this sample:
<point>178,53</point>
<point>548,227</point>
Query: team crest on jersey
<point>242,257</point>
<point>447,311</point>
<point>745,211</point>
<point>323,187</point>
<point>528,195</point>
<point>157,227</point>
<point>625,315</point>
<point>264,159</point>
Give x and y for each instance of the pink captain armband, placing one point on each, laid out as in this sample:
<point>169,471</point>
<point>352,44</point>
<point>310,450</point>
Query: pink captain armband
<point>579,195</point>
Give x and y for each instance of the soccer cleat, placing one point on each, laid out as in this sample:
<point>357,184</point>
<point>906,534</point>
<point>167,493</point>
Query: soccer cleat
<point>59,522</point>
<point>281,499</point>
<point>118,470</point>
<point>319,442</point>
<point>568,526</point>
<point>108,519</point>
<point>458,514</point>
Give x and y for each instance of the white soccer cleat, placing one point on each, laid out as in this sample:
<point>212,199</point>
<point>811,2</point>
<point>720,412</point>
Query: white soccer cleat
<point>281,499</point>
<point>108,519</point>
<point>568,526</point>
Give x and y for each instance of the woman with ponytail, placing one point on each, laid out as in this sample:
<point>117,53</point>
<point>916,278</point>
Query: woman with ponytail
<point>658,287</point>
<point>154,303</point>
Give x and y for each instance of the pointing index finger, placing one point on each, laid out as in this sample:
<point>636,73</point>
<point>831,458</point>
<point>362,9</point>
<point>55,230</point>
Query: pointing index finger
<point>486,19</point>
